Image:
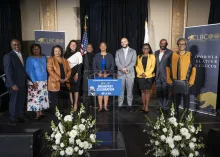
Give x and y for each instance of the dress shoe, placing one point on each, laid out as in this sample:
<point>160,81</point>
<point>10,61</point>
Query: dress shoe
<point>13,122</point>
<point>119,109</point>
<point>129,109</point>
<point>22,120</point>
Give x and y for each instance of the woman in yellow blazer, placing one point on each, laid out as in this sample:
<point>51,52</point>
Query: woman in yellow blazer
<point>145,67</point>
<point>181,74</point>
<point>59,73</point>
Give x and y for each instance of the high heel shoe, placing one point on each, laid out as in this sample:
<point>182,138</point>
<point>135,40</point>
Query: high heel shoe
<point>42,115</point>
<point>37,118</point>
<point>146,112</point>
<point>100,110</point>
<point>141,110</point>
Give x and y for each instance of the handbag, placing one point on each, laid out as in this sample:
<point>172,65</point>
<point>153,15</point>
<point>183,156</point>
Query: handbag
<point>180,87</point>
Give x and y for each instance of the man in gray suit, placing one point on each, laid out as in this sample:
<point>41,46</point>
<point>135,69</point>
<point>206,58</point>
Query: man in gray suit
<point>162,88</point>
<point>125,60</point>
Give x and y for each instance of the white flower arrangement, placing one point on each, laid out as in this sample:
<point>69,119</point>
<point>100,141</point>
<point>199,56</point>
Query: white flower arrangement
<point>168,137</point>
<point>72,137</point>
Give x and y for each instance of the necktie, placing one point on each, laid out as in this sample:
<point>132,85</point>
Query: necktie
<point>21,59</point>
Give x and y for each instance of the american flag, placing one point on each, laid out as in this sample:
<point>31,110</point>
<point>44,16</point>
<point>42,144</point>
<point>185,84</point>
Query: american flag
<point>84,43</point>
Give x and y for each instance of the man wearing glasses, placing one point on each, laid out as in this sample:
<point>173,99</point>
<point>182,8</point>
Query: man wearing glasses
<point>181,73</point>
<point>162,88</point>
<point>16,79</point>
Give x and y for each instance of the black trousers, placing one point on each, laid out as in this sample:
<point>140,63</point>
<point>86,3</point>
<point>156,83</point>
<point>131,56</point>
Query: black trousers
<point>177,102</point>
<point>17,102</point>
<point>163,94</point>
<point>59,99</point>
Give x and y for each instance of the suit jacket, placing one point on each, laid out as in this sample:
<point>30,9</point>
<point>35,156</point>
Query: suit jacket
<point>53,69</point>
<point>97,63</point>
<point>161,65</point>
<point>150,68</point>
<point>14,70</point>
<point>86,65</point>
<point>129,63</point>
<point>87,70</point>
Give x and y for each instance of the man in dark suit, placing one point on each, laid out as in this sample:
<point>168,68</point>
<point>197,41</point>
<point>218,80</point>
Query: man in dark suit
<point>16,79</point>
<point>87,74</point>
<point>162,88</point>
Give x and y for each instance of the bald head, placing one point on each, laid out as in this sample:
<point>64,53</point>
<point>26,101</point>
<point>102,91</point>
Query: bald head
<point>16,45</point>
<point>124,42</point>
<point>163,44</point>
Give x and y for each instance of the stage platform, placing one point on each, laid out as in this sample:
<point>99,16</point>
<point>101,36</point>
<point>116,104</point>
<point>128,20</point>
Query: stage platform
<point>131,125</point>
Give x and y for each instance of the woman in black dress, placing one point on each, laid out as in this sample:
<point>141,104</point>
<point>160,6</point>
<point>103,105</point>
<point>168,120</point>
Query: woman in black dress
<point>75,60</point>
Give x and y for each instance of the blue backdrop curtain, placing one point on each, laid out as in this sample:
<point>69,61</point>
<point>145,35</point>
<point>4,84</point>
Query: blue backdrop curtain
<point>10,25</point>
<point>214,14</point>
<point>110,20</point>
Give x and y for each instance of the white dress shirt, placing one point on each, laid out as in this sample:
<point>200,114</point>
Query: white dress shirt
<point>161,55</point>
<point>20,56</point>
<point>125,50</point>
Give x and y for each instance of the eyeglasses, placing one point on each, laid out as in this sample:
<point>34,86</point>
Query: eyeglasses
<point>182,44</point>
<point>145,49</point>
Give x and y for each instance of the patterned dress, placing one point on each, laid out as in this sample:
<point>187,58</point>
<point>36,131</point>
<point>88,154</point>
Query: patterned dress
<point>37,98</point>
<point>37,71</point>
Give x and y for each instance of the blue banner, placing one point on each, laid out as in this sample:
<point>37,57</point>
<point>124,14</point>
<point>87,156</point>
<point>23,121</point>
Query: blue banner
<point>204,44</point>
<point>105,87</point>
<point>48,39</point>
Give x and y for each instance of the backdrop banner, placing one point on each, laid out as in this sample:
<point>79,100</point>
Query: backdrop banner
<point>204,43</point>
<point>105,87</point>
<point>48,39</point>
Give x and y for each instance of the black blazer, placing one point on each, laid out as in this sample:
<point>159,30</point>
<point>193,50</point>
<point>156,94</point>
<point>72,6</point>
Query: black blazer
<point>14,70</point>
<point>86,65</point>
<point>161,65</point>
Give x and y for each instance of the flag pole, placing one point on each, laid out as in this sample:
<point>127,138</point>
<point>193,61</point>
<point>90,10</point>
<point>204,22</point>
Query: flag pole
<point>85,18</point>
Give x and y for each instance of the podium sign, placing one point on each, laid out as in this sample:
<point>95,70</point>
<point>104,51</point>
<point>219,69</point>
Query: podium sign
<point>104,87</point>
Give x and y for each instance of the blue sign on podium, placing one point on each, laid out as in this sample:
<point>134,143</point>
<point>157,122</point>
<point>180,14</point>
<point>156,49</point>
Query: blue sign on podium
<point>104,87</point>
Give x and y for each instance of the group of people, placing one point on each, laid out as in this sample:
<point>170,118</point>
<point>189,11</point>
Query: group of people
<point>40,80</point>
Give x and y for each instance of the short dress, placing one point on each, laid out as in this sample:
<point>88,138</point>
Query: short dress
<point>145,83</point>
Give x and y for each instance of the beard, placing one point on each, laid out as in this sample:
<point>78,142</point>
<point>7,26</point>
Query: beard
<point>163,47</point>
<point>125,46</point>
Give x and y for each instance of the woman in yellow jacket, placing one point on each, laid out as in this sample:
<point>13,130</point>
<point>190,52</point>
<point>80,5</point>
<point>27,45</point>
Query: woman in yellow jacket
<point>145,67</point>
